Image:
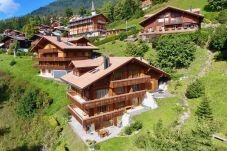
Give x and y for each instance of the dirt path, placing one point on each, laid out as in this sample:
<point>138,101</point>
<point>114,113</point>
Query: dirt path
<point>187,112</point>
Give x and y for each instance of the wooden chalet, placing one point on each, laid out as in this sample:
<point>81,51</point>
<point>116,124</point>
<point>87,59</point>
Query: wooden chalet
<point>102,89</point>
<point>56,53</point>
<point>90,26</point>
<point>171,20</point>
<point>23,42</point>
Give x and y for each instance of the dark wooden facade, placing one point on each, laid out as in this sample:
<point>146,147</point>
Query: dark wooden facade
<point>52,56</point>
<point>90,26</point>
<point>170,20</point>
<point>123,89</point>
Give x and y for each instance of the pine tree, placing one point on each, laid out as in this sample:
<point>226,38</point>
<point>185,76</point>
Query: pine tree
<point>204,111</point>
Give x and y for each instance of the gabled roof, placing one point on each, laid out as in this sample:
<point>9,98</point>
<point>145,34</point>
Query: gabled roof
<point>172,8</point>
<point>85,80</point>
<point>65,43</point>
<point>88,63</point>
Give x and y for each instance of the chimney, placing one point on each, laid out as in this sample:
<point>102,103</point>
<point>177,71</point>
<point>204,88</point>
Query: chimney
<point>106,62</point>
<point>59,38</point>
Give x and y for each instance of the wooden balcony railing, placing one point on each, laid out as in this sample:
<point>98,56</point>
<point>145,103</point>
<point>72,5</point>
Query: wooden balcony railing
<point>108,100</point>
<point>53,50</point>
<point>53,67</point>
<point>173,22</point>
<point>97,118</point>
<point>130,81</point>
<point>51,59</point>
<point>75,114</point>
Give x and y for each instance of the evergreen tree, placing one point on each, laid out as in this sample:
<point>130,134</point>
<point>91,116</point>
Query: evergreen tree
<point>204,111</point>
<point>68,12</point>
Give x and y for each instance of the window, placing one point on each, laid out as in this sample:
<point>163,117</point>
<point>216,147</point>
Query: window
<point>160,20</point>
<point>101,93</point>
<point>118,75</point>
<point>136,88</point>
<point>119,90</point>
<point>135,73</point>
<point>166,19</point>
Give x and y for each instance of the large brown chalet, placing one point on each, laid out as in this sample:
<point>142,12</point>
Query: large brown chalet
<point>56,53</point>
<point>103,89</point>
<point>171,20</point>
<point>90,26</point>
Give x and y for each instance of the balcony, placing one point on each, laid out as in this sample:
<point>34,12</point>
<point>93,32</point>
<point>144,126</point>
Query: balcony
<point>173,22</point>
<point>53,67</point>
<point>131,81</point>
<point>85,120</point>
<point>105,101</point>
<point>53,50</point>
<point>168,31</point>
<point>51,59</point>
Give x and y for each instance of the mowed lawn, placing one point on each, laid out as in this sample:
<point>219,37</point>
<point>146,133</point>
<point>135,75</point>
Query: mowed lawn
<point>24,70</point>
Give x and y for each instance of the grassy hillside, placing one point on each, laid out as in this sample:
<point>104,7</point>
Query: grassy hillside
<point>23,70</point>
<point>184,4</point>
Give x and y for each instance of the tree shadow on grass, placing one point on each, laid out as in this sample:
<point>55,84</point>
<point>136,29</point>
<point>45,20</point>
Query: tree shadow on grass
<point>26,148</point>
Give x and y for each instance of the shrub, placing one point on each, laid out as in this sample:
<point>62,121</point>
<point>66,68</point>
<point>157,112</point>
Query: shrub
<point>175,51</point>
<point>97,147</point>
<point>12,63</point>
<point>219,39</point>
<point>122,36</point>
<point>128,130</point>
<point>195,90</point>
<point>222,17</point>
<point>136,50</point>
<point>137,126</point>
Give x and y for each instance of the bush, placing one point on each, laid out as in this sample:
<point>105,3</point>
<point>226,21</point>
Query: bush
<point>195,90</point>
<point>122,36</point>
<point>175,51</point>
<point>97,147</point>
<point>128,130</point>
<point>137,126</point>
<point>136,50</point>
<point>222,17</point>
<point>219,39</point>
<point>12,63</point>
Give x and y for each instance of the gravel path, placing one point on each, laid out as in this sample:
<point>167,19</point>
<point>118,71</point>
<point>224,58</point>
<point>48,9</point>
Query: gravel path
<point>186,114</point>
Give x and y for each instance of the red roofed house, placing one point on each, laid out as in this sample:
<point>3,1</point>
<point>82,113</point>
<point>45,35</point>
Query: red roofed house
<point>90,26</point>
<point>103,89</point>
<point>171,20</point>
<point>56,53</point>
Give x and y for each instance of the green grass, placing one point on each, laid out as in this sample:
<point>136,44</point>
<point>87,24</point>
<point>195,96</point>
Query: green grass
<point>116,48</point>
<point>184,4</point>
<point>23,70</point>
<point>166,112</point>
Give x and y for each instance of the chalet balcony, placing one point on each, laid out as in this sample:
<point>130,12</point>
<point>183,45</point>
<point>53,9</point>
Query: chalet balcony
<point>43,51</point>
<point>130,81</point>
<point>53,67</point>
<point>51,59</point>
<point>85,104</point>
<point>84,119</point>
<point>174,22</point>
<point>168,31</point>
